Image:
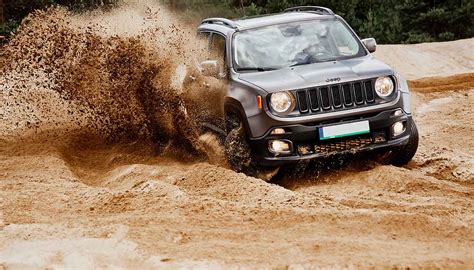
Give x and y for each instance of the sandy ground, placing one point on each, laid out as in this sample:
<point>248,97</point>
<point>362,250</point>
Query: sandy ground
<point>430,59</point>
<point>77,201</point>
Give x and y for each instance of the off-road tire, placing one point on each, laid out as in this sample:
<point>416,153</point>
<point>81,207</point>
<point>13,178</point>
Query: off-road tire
<point>239,156</point>
<point>401,155</point>
<point>237,151</point>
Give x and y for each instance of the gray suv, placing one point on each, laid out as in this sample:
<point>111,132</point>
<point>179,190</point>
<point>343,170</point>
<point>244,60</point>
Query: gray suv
<point>302,85</point>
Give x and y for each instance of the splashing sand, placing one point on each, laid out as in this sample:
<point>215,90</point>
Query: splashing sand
<point>123,82</point>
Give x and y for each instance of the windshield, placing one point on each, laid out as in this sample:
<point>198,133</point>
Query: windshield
<point>298,43</point>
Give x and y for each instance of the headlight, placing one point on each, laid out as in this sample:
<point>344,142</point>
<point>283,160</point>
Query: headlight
<point>384,86</point>
<point>282,102</point>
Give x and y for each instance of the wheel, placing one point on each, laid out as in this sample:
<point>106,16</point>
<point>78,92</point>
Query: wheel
<point>237,151</point>
<point>401,155</point>
<point>239,156</point>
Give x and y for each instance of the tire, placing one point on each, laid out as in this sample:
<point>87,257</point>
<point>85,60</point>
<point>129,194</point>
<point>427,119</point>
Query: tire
<point>401,155</point>
<point>239,156</point>
<point>237,151</point>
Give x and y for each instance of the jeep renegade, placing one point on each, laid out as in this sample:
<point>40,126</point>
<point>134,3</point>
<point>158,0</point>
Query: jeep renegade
<point>302,85</point>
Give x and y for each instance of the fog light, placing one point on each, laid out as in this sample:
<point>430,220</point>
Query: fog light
<point>278,131</point>
<point>397,113</point>
<point>279,147</point>
<point>398,128</point>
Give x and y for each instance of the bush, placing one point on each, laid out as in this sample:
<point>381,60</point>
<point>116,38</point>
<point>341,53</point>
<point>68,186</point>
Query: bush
<point>8,27</point>
<point>446,36</point>
<point>418,37</point>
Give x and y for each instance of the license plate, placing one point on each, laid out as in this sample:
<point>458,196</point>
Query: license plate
<point>344,130</point>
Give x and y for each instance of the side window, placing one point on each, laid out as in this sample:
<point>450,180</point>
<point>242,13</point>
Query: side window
<point>218,52</point>
<point>218,48</point>
<point>211,55</point>
<point>202,46</point>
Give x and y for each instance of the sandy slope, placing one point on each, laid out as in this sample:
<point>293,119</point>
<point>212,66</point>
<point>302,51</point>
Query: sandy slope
<point>430,59</point>
<point>76,201</point>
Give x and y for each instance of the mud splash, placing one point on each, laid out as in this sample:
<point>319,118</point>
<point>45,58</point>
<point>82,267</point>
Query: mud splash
<point>63,72</point>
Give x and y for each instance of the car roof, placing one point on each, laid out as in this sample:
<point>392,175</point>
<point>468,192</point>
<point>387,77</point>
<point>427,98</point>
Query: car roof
<point>248,23</point>
<point>220,24</point>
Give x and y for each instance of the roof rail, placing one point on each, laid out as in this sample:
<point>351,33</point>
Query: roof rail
<point>317,9</point>
<point>222,21</point>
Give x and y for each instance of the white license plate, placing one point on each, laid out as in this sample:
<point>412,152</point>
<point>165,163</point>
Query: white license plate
<point>344,130</point>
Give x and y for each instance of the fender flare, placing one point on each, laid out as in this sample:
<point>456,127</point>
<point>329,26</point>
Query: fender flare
<point>233,106</point>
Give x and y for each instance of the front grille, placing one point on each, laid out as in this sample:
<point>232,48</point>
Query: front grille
<point>336,97</point>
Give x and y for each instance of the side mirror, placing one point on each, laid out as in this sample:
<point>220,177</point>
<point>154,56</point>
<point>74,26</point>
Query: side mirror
<point>210,68</point>
<point>370,44</point>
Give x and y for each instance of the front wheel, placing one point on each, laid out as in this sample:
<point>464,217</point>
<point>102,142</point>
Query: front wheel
<point>239,156</point>
<point>401,155</point>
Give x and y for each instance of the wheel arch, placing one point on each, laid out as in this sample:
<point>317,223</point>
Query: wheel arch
<point>234,114</point>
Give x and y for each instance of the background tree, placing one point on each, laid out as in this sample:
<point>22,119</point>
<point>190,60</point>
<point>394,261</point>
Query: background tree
<point>15,10</point>
<point>389,21</point>
<point>2,14</point>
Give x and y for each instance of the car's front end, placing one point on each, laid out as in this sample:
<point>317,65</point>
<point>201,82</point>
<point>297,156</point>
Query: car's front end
<point>329,119</point>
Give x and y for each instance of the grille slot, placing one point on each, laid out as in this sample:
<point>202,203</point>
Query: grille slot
<point>346,91</point>
<point>325,98</point>
<point>302,101</point>
<point>369,91</point>
<point>313,97</point>
<point>359,97</point>
<point>336,96</point>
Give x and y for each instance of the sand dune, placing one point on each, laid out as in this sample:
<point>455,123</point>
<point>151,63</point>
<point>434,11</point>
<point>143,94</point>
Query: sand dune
<point>429,59</point>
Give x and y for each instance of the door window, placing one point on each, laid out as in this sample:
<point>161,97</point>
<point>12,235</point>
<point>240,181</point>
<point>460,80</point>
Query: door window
<point>218,53</point>
<point>203,39</point>
<point>218,48</point>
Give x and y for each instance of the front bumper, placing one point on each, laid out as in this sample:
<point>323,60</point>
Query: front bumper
<point>307,136</point>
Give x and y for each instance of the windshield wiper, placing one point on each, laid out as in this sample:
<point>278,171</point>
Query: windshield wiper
<point>259,69</point>
<point>302,63</point>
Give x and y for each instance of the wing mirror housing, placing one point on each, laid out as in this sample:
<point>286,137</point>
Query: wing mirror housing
<point>210,68</point>
<point>370,44</point>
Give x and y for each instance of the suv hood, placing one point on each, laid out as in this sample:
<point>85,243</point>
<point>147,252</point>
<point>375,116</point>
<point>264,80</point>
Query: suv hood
<point>318,74</point>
